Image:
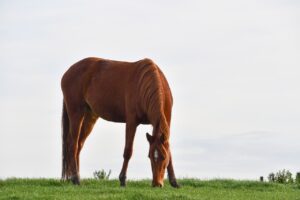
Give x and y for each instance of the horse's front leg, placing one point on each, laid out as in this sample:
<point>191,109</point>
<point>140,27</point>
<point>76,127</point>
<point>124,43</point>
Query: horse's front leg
<point>171,174</point>
<point>130,133</point>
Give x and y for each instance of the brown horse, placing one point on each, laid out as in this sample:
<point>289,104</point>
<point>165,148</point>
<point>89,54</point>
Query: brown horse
<point>130,92</point>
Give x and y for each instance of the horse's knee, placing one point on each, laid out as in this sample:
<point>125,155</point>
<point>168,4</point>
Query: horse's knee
<point>127,153</point>
<point>72,146</point>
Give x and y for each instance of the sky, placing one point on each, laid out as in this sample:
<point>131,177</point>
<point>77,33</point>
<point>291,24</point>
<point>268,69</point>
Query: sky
<point>233,68</point>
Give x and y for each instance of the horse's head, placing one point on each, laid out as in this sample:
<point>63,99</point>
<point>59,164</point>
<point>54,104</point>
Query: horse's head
<point>159,157</point>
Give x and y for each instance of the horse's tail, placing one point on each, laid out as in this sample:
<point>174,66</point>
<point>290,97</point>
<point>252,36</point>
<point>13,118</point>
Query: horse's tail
<point>65,132</point>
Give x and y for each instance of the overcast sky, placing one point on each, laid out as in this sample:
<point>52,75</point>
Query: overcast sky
<point>233,67</point>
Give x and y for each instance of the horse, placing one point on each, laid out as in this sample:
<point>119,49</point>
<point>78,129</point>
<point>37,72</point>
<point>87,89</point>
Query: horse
<point>126,92</point>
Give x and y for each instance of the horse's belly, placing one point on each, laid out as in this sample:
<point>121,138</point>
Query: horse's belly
<point>110,114</point>
<point>108,108</point>
<point>105,95</point>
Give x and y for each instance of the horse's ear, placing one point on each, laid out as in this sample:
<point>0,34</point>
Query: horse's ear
<point>149,138</point>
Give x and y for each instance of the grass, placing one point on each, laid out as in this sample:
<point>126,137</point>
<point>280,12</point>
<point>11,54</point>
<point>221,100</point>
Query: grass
<point>110,189</point>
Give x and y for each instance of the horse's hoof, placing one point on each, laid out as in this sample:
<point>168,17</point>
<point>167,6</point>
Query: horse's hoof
<point>174,184</point>
<point>122,181</point>
<point>123,184</point>
<point>75,180</point>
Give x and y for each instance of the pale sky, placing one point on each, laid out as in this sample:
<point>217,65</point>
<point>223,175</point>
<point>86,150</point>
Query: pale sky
<point>233,67</point>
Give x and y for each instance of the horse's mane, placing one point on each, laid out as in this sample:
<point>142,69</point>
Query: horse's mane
<point>152,95</point>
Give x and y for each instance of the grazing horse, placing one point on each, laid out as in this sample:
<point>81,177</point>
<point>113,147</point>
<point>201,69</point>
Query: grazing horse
<point>129,92</point>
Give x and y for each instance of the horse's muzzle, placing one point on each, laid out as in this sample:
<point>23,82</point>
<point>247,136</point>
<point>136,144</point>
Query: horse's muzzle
<point>157,184</point>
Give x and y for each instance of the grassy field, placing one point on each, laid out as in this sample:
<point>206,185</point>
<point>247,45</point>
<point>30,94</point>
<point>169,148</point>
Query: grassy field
<point>191,189</point>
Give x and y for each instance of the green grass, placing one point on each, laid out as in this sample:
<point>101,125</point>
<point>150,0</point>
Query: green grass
<point>191,189</point>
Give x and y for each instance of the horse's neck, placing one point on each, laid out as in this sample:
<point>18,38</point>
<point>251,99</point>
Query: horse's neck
<point>161,129</point>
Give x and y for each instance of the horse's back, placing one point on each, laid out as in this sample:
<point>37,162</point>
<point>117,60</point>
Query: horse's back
<point>109,88</point>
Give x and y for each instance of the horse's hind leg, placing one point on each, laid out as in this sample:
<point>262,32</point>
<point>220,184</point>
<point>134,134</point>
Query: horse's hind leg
<point>76,118</point>
<point>130,133</point>
<point>86,128</point>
